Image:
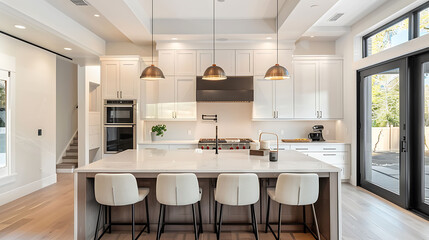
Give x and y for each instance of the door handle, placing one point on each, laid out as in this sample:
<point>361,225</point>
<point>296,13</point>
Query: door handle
<point>121,94</point>
<point>321,114</point>
<point>403,145</point>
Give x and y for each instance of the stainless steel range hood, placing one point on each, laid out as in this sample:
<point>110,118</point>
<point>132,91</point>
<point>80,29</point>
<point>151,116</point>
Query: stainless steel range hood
<point>233,89</point>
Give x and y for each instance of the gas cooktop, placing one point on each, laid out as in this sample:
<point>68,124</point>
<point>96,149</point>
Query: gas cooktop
<point>225,143</point>
<point>225,140</point>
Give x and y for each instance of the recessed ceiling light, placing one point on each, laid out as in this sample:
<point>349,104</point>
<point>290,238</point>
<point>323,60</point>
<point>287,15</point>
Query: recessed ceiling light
<point>268,38</point>
<point>96,15</point>
<point>20,27</point>
<point>67,49</point>
<point>314,5</point>
<point>173,38</point>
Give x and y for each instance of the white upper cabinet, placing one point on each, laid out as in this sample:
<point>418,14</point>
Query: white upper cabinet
<point>185,97</point>
<point>331,89</point>
<point>166,61</point>
<point>120,78</point>
<point>284,98</point>
<point>244,62</point>
<point>318,88</point>
<point>129,75</point>
<point>110,79</point>
<point>263,103</point>
<point>224,58</point>
<point>166,98</point>
<point>185,62</point>
<point>305,78</point>
<point>263,60</point>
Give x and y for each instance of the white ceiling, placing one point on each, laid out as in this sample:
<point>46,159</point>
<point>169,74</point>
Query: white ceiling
<point>353,11</point>
<point>202,9</point>
<point>84,15</point>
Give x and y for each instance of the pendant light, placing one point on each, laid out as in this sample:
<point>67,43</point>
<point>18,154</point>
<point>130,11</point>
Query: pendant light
<point>277,72</point>
<point>214,73</point>
<point>152,72</point>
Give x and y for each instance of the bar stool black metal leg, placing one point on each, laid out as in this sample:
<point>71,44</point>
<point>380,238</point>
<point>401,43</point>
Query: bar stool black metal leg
<point>255,224</point>
<point>251,216</point>
<point>220,222</point>
<point>194,217</point>
<point>280,222</point>
<point>133,224</point>
<point>98,219</point>
<point>268,215</point>
<point>215,218</point>
<point>147,215</point>
<point>110,219</point>
<point>200,217</point>
<point>303,219</point>
<point>160,220</point>
<point>163,218</point>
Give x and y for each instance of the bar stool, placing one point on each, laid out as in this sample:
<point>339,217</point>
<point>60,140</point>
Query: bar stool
<point>237,190</point>
<point>178,190</point>
<point>113,190</point>
<point>294,190</point>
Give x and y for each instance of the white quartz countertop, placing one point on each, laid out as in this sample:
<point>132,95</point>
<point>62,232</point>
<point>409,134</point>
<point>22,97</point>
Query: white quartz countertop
<point>170,142</point>
<point>199,161</point>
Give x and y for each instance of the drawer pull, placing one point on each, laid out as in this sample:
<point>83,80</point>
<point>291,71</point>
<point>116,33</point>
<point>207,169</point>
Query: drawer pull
<point>329,148</point>
<point>329,154</point>
<point>301,148</point>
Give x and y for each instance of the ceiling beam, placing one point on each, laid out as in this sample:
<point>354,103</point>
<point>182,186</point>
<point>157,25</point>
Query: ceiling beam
<point>128,16</point>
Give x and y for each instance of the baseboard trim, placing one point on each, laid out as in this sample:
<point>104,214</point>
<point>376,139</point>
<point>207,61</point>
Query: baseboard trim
<point>64,170</point>
<point>27,189</point>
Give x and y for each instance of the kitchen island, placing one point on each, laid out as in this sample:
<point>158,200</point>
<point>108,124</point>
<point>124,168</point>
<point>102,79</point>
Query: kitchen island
<point>146,164</point>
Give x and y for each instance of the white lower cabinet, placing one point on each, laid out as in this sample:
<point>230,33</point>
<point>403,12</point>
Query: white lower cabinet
<point>337,155</point>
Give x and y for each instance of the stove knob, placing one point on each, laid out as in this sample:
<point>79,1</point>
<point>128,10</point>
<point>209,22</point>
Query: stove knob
<point>202,147</point>
<point>244,147</point>
<point>208,147</point>
<point>231,148</point>
<point>220,148</point>
<point>238,147</point>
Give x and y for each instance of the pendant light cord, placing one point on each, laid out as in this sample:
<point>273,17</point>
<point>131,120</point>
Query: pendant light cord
<point>152,32</point>
<point>277,30</point>
<point>214,32</point>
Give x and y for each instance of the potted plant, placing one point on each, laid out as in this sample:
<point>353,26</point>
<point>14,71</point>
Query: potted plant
<point>158,131</point>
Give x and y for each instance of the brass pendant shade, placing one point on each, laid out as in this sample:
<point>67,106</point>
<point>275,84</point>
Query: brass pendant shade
<point>152,73</point>
<point>214,73</point>
<point>277,72</point>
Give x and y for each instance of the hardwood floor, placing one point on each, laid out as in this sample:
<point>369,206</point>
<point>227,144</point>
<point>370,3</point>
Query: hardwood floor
<point>48,214</point>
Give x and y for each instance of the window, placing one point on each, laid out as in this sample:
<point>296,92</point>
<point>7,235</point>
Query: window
<point>423,22</point>
<point>3,128</point>
<point>411,25</point>
<point>389,37</point>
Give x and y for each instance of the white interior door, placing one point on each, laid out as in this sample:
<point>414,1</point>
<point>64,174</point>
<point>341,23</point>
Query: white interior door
<point>166,101</point>
<point>331,89</point>
<point>305,85</point>
<point>263,104</point>
<point>186,105</point>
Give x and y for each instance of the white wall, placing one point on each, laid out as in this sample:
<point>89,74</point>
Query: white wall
<point>33,107</point>
<point>66,104</point>
<point>235,120</point>
<point>350,47</point>
<point>312,47</point>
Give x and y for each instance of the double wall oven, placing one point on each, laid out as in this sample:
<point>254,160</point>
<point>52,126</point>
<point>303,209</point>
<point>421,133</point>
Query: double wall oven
<point>119,125</point>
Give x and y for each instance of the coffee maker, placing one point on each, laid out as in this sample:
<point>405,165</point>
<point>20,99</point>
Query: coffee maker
<point>316,135</point>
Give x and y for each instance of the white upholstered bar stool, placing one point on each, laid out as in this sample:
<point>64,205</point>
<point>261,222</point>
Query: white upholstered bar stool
<point>237,190</point>
<point>294,190</point>
<point>113,190</point>
<point>178,190</point>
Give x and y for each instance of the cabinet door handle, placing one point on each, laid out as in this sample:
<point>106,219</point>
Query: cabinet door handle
<point>332,149</point>
<point>117,94</point>
<point>121,94</point>
<point>301,148</point>
<point>172,114</point>
<point>317,114</point>
<point>329,154</point>
<point>321,114</point>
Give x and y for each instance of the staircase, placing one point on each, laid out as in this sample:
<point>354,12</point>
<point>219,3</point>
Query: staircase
<point>69,160</point>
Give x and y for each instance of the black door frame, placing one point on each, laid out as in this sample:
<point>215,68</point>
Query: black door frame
<point>416,142</point>
<point>403,198</point>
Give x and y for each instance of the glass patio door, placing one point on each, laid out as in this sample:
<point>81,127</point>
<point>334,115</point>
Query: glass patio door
<point>382,131</point>
<point>420,132</point>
